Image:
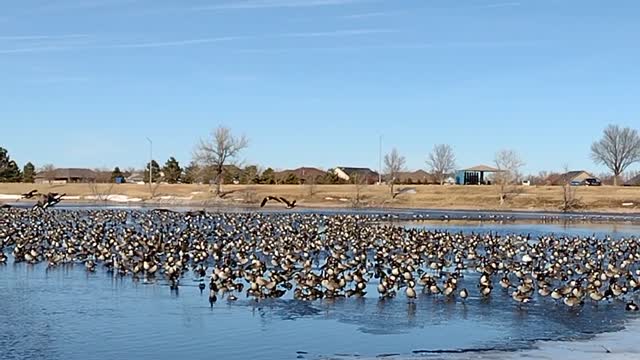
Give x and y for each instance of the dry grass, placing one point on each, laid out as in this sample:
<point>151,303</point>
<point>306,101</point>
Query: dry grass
<point>605,198</point>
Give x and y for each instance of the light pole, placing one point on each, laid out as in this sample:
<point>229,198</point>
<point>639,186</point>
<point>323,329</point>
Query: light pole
<point>150,161</point>
<point>380,163</point>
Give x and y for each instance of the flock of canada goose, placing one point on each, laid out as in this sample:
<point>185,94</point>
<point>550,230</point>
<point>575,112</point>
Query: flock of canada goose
<point>313,256</point>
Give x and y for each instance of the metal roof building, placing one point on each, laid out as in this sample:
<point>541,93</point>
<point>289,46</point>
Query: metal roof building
<point>475,175</point>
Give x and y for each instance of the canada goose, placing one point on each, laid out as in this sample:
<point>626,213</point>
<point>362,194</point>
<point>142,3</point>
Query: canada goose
<point>48,200</point>
<point>572,301</point>
<point>29,194</point>
<point>631,306</point>
<point>505,283</point>
<point>268,256</point>
<point>212,297</point>
<point>464,294</point>
<point>403,191</point>
<point>411,293</point>
<point>269,198</point>
<point>289,204</point>
<point>520,297</point>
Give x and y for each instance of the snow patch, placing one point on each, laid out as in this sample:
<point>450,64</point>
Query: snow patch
<point>10,197</point>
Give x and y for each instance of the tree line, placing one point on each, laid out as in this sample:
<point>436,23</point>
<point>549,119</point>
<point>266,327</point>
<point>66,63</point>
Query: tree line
<point>10,172</point>
<point>215,161</point>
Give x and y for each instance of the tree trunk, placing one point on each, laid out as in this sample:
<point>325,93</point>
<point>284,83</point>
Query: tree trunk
<point>219,181</point>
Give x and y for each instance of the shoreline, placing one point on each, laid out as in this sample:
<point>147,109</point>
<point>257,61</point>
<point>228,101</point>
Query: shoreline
<point>548,199</point>
<point>398,213</point>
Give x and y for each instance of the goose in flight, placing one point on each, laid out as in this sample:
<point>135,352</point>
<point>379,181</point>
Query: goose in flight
<point>289,204</point>
<point>30,194</point>
<point>408,190</point>
<point>48,200</point>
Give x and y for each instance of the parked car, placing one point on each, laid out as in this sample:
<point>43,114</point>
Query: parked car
<point>592,182</point>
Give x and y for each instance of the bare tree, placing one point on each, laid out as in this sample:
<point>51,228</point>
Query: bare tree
<point>393,164</point>
<point>215,152</point>
<point>442,161</point>
<point>48,171</point>
<point>631,175</point>
<point>310,185</point>
<point>360,183</point>
<point>569,198</point>
<point>618,148</point>
<point>100,192</point>
<point>508,163</point>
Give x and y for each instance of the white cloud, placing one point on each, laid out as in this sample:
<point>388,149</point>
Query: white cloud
<point>262,4</point>
<point>371,14</point>
<point>353,32</point>
<point>42,37</point>
<point>160,44</point>
<point>35,49</point>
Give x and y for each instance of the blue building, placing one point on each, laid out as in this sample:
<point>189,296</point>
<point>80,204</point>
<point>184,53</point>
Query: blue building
<point>476,175</point>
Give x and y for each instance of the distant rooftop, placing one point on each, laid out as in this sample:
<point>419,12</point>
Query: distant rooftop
<point>482,168</point>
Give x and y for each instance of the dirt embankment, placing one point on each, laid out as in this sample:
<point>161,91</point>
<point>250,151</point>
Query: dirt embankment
<point>543,198</point>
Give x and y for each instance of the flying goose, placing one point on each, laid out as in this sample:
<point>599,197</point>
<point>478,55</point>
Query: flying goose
<point>29,194</point>
<point>289,204</point>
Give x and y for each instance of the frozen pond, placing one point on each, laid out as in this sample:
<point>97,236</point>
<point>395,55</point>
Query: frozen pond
<point>68,313</point>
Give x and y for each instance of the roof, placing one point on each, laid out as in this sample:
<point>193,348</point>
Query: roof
<point>68,173</point>
<point>359,170</point>
<point>418,175</point>
<point>567,177</point>
<point>482,168</point>
<point>635,181</point>
<point>135,177</point>
<point>302,173</point>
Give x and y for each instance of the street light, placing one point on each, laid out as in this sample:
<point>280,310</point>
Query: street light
<point>380,163</point>
<point>150,161</point>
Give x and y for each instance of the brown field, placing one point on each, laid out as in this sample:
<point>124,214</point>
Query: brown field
<point>605,198</point>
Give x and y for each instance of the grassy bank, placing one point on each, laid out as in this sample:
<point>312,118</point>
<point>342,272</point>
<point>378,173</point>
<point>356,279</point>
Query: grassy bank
<point>605,198</point>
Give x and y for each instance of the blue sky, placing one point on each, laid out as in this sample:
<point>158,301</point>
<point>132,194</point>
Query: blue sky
<point>316,82</point>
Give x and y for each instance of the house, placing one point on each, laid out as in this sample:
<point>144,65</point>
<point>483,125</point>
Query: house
<point>135,178</point>
<point>569,177</point>
<point>304,175</point>
<point>63,176</point>
<point>635,181</point>
<point>356,174</point>
<point>475,175</point>
<point>416,177</point>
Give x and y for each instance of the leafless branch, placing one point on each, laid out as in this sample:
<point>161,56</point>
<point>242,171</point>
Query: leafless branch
<point>618,148</point>
<point>442,161</point>
<point>218,150</point>
<point>393,164</point>
<point>508,163</point>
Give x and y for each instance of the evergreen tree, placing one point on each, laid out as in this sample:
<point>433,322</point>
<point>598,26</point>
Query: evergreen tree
<point>191,174</point>
<point>249,175</point>
<point>28,173</point>
<point>172,171</point>
<point>291,179</point>
<point>231,174</point>
<point>268,176</point>
<point>9,170</point>
<point>329,178</point>
<point>156,172</point>
<point>116,173</point>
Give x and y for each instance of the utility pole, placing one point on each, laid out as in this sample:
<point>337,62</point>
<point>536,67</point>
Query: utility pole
<point>380,163</point>
<point>150,161</point>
